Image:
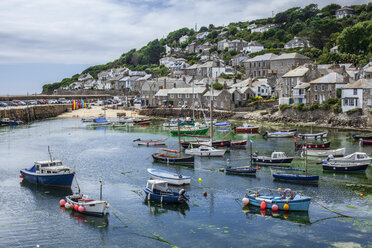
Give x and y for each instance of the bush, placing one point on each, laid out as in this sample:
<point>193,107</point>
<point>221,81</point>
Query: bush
<point>283,107</point>
<point>314,106</point>
<point>353,111</point>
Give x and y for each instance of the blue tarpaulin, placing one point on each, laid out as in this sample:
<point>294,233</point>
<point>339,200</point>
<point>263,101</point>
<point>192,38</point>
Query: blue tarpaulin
<point>32,169</point>
<point>100,120</point>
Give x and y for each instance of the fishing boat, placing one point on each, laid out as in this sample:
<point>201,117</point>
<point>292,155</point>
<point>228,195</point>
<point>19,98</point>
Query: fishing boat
<point>277,158</point>
<point>241,170</point>
<point>205,151</point>
<point>215,143</point>
<point>171,123</point>
<point>140,120</point>
<point>321,145</point>
<point>11,123</point>
<point>280,134</point>
<point>366,142</point>
<point>84,204</point>
<point>170,177</point>
<point>91,118</point>
<point>356,157</point>
<point>51,173</point>
<point>324,153</point>
<point>158,190</point>
<point>151,142</point>
<point>345,167</point>
<point>126,120</point>
<point>143,123</point>
<point>362,136</point>
<point>100,122</point>
<point>238,143</point>
<point>288,201</point>
<point>190,130</point>
<point>321,135</point>
<point>246,128</point>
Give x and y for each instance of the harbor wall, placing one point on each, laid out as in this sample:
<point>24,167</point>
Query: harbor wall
<point>33,113</point>
<point>177,112</point>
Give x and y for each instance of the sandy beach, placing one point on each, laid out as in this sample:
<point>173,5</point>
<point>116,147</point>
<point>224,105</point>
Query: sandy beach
<point>96,111</point>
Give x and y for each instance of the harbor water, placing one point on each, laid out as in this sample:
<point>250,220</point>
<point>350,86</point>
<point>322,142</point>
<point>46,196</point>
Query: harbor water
<point>31,216</point>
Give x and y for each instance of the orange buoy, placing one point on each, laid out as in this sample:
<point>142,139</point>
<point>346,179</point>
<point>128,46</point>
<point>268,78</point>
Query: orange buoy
<point>263,205</point>
<point>286,207</point>
<point>275,207</point>
<point>205,193</point>
<point>81,209</point>
<point>76,207</point>
<point>21,176</point>
<point>361,195</point>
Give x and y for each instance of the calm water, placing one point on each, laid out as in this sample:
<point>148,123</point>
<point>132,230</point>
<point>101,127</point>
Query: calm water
<point>31,215</point>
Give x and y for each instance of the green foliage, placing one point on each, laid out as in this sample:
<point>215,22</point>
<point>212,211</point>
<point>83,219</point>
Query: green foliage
<point>353,111</point>
<point>330,10</point>
<point>297,27</point>
<point>356,39</point>
<point>283,107</point>
<point>203,29</point>
<point>329,58</point>
<point>321,30</point>
<point>212,35</point>
<point>217,86</point>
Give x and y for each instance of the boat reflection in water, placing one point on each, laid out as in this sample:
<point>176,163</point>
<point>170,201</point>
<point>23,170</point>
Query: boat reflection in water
<point>158,208</point>
<point>54,192</point>
<point>296,217</point>
<point>94,221</point>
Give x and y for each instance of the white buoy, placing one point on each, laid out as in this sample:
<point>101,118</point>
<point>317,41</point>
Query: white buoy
<point>245,201</point>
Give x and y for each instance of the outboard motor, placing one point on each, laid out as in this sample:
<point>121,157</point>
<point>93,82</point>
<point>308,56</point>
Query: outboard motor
<point>182,194</point>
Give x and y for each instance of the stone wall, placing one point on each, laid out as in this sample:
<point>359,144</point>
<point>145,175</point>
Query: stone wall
<point>177,112</point>
<point>32,113</point>
<point>257,106</point>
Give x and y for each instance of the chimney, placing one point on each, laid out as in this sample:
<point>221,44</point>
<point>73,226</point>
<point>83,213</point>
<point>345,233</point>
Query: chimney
<point>250,82</point>
<point>225,86</point>
<point>165,83</point>
<point>346,79</point>
<point>207,86</point>
<point>174,85</point>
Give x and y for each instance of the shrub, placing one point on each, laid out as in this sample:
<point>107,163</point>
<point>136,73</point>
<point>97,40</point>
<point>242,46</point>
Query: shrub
<point>283,107</point>
<point>353,111</point>
<point>314,106</point>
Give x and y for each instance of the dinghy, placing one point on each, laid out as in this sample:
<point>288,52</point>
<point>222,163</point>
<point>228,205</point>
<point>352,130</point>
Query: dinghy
<point>247,128</point>
<point>242,170</point>
<point>85,205</point>
<point>277,158</point>
<point>205,151</point>
<point>321,135</point>
<point>280,134</point>
<point>170,177</point>
<point>151,142</point>
<point>158,190</point>
<point>345,167</point>
<point>324,153</point>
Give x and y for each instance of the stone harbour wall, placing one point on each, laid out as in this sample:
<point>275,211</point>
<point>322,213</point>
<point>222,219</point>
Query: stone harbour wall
<point>177,112</point>
<point>33,113</point>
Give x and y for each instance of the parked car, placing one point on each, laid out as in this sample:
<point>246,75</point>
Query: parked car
<point>10,103</point>
<point>3,104</point>
<point>63,101</point>
<point>32,102</point>
<point>53,101</point>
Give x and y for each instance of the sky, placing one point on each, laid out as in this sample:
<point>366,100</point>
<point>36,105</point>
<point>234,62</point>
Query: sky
<point>44,41</point>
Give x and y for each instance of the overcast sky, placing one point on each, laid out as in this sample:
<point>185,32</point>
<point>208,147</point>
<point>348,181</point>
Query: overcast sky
<point>64,37</point>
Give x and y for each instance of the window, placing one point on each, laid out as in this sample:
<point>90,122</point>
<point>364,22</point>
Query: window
<point>346,102</point>
<point>237,97</point>
<point>351,102</point>
<point>370,92</point>
<point>369,102</point>
<point>244,96</point>
<point>187,95</point>
<point>263,73</point>
<point>329,87</point>
<point>315,87</point>
<point>171,95</point>
<point>322,86</point>
<point>179,95</point>
<point>315,97</point>
<point>259,64</point>
<point>355,92</point>
<point>263,64</point>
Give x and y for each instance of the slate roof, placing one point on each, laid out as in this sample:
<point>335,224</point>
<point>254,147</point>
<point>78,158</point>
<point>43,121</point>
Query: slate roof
<point>331,78</point>
<point>290,56</point>
<point>360,84</point>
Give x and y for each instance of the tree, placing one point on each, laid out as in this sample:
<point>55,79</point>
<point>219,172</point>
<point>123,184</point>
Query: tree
<point>330,10</point>
<point>321,30</point>
<point>203,29</point>
<point>310,11</point>
<point>297,27</point>
<point>356,39</point>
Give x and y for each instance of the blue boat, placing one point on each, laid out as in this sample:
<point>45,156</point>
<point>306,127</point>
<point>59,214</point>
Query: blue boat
<point>49,173</point>
<point>222,124</point>
<point>296,177</point>
<point>242,170</point>
<point>289,199</point>
<point>158,190</point>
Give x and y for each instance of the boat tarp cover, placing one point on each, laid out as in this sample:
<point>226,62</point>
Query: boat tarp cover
<point>100,120</point>
<point>32,169</point>
<point>226,123</point>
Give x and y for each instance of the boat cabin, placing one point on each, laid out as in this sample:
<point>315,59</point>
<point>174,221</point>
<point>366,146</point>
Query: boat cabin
<point>278,155</point>
<point>51,167</point>
<point>157,185</point>
<point>357,156</point>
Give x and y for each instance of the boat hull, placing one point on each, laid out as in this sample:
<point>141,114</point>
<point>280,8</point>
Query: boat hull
<point>324,145</point>
<point>215,143</point>
<point>164,198</point>
<point>196,131</point>
<point>302,204</point>
<point>196,152</point>
<point>324,153</point>
<point>345,167</point>
<point>243,171</point>
<point>313,136</point>
<point>56,180</point>
<point>96,207</point>
<point>174,159</point>
<point>296,177</point>
<point>246,129</point>
<point>366,142</point>
<point>270,161</point>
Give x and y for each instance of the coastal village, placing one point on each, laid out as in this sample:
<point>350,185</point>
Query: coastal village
<point>288,78</point>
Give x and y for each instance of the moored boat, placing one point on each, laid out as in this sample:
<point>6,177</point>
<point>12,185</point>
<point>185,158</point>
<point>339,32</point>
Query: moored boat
<point>324,153</point>
<point>276,158</point>
<point>280,134</point>
<point>50,173</point>
<point>321,135</point>
<point>222,125</point>
<point>321,145</point>
<point>292,177</point>
<point>205,151</point>
<point>9,122</point>
<point>241,170</point>
<point>366,142</point>
<point>247,128</point>
<point>362,136</point>
<point>151,142</point>
<point>345,167</point>
<point>158,190</point>
<point>289,201</point>
<point>170,177</point>
<point>215,143</point>
<point>238,143</point>
<point>190,131</point>
<point>356,157</point>
<point>84,204</point>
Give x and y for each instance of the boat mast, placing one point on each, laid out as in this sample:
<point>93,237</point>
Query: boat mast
<point>50,154</point>
<point>100,190</point>
<point>179,137</point>
<point>306,157</point>
<point>211,111</point>
<point>193,103</point>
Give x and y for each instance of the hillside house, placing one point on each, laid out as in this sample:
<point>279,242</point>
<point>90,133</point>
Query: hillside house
<point>221,99</point>
<point>344,12</point>
<point>237,45</point>
<point>301,93</point>
<point>262,29</point>
<point>357,95</point>
<point>222,45</point>
<point>183,39</point>
<point>284,62</point>
<point>259,65</point>
<point>325,87</point>
<point>186,97</point>
<point>201,35</point>
<point>297,42</point>
<point>253,47</point>
<point>238,59</point>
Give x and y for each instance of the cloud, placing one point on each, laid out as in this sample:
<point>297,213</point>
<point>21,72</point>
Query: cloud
<point>98,31</point>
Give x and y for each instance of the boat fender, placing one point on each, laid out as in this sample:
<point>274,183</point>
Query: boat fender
<point>288,194</point>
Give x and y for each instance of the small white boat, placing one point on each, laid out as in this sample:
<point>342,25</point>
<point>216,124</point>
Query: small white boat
<point>205,151</point>
<point>354,158</point>
<point>321,135</point>
<point>324,153</point>
<point>84,204</point>
<point>151,142</point>
<point>281,134</point>
<point>170,177</point>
